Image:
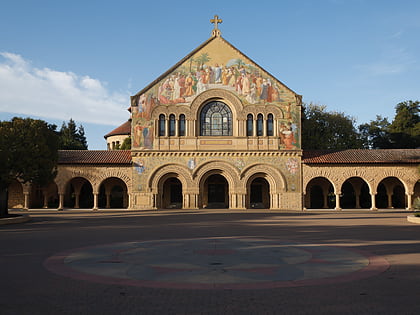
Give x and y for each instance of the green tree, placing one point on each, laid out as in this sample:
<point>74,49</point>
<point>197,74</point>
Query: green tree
<point>405,128</point>
<point>72,137</point>
<point>126,145</point>
<point>376,133</point>
<point>323,130</point>
<point>28,152</point>
<point>402,133</point>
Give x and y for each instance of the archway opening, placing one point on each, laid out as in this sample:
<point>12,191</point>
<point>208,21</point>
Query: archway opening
<point>216,187</point>
<point>416,196</point>
<point>355,194</point>
<point>259,193</point>
<point>319,194</point>
<point>391,194</point>
<point>113,194</point>
<point>79,194</point>
<point>172,193</point>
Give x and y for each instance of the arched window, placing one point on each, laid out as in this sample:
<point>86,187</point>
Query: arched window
<point>216,120</point>
<point>162,125</point>
<point>181,125</point>
<point>250,125</point>
<point>260,125</point>
<point>171,125</point>
<point>270,131</point>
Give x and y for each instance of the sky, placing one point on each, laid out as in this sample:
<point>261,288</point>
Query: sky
<point>83,59</point>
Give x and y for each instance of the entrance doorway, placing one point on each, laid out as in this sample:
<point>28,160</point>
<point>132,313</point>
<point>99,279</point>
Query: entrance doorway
<point>260,194</point>
<point>172,193</point>
<point>217,192</point>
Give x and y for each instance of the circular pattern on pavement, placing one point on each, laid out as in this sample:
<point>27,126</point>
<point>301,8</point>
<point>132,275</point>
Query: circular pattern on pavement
<point>216,263</point>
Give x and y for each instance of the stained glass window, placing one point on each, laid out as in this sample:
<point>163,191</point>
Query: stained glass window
<point>181,125</point>
<point>161,125</point>
<point>250,125</point>
<point>270,131</point>
<point>171,125</point>
<point>216,120</point>
<point>260,125</point>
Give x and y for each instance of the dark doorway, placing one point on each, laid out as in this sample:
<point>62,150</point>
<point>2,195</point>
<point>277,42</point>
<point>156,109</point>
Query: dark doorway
<point>260,196</point>
<point>172,196</point>
<point>217,192</point>
<point>176,191</point>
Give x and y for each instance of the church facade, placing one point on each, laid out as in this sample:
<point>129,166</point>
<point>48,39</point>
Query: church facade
<point>218,131</point>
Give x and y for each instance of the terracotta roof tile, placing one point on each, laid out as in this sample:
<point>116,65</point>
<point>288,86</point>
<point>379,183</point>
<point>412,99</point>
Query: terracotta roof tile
<point>124,129</point>
<point>94,157</point>
<point>357,156</point>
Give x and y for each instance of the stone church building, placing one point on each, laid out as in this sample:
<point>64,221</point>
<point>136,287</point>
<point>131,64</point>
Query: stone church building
<point>219,131</point>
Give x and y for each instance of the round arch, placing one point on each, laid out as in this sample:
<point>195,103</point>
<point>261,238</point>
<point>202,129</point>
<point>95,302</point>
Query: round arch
<point>160,174</point>
<point>273,176</point>
<point>319,193</point>
<point>222,95</point>
<point>230,172</point>
<point>79,193</point>
<point>355,194</point>
<point>113,193</point>
<point>391,193</point>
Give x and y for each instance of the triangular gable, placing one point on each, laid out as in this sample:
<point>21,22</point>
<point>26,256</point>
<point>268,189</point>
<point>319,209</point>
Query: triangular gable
<point>215,64</point>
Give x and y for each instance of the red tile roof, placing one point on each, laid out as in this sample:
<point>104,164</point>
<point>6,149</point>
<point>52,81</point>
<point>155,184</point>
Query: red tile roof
<point>124,129</point>
<point>357,156</point>
<point>94,157</point>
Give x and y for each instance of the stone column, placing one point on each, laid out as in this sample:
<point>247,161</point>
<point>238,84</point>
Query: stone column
<point>357,195</point>
<point>337,201</point>
<point>77,200</point>
<point>373,200</point>
<point>166,126</point>
<point>409,201</point>
<point>264,127</point>
<point>45,201</point>
<point>26,203</point>
<point>60,202</point>
<point>108,201</point>
<point>95,202</point>
<point>176,127</point>
<point>389,195</point>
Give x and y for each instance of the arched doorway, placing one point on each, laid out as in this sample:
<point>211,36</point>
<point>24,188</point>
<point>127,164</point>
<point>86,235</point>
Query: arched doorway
<point>172,193</point>
<point>319,194</point>
<point>79,194</point>
<point>391,194</point>
<point>355,194</point>
<point>259,194</point>
<point>113,194</point>
<point>416,196</point>
<point>216,190</point>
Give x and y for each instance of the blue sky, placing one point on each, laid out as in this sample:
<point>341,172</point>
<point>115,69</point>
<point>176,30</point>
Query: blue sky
<point>83,59</point>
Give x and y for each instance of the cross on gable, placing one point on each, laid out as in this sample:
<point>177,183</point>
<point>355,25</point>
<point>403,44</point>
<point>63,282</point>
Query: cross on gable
<point>216,21</point>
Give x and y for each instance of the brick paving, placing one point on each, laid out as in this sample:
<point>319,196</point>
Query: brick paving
<point>27,287</point>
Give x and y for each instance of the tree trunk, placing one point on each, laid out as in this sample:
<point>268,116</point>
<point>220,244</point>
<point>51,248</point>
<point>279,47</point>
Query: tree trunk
<point>4,201</point>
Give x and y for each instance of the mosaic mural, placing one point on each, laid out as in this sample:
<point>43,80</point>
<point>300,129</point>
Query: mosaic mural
<point>216,65</point>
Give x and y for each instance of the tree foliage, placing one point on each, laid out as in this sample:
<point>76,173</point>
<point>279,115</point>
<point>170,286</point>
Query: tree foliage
<point>72,137</point>
<point>28,152</point>
<point>402,133</point>
<point>376,133</point>
<point>126,145</point>
<point>323,130</point>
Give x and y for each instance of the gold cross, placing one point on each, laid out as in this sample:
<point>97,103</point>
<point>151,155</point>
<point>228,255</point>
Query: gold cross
<point>216,21</point>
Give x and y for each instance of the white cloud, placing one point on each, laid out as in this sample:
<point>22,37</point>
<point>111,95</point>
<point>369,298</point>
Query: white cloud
<point>27,90</point>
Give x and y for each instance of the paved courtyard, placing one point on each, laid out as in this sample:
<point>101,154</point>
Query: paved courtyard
<point>210,262</point>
